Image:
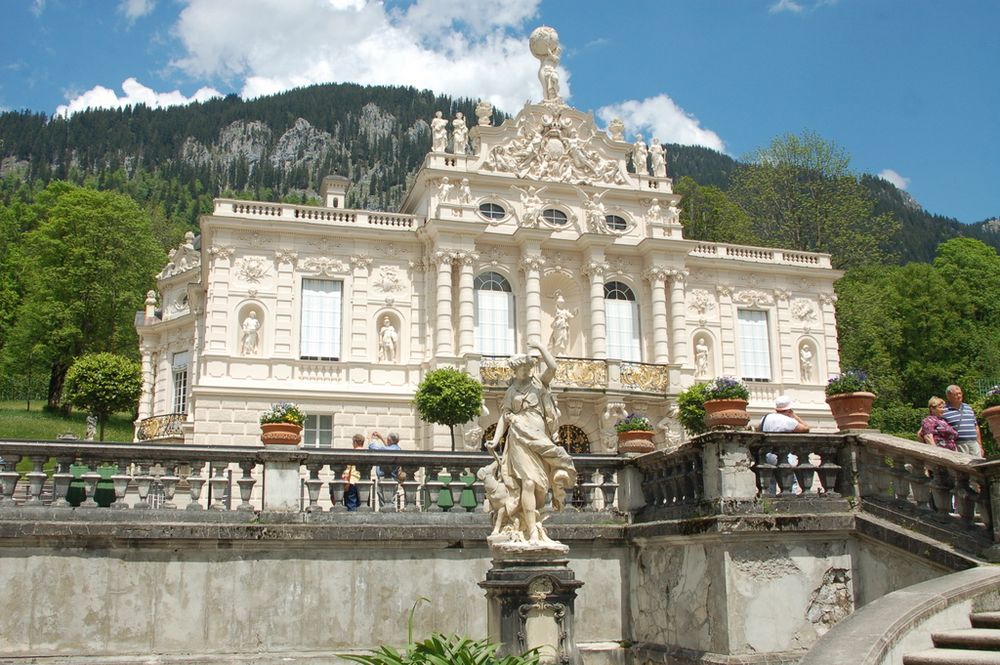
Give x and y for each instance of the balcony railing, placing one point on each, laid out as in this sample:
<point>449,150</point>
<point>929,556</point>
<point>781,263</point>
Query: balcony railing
<point>165,426</point>
<point>587,373</point>
<point>326,216</point>
<point>760,255</point>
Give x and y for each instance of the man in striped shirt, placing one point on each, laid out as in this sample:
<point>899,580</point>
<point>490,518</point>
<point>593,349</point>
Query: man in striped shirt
<point>960,416</point>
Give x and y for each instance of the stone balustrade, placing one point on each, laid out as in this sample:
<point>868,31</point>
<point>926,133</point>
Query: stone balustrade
<point>331,216</point>
<point>760,255</point>
<point>223,478</point>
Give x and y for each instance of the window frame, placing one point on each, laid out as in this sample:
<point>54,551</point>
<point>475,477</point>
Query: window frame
<point>335,340</point>
<point>316,430</point>
<point>493,344</point>
<point>618,347</point>
<point>180,377</point>
<point>750,342</point>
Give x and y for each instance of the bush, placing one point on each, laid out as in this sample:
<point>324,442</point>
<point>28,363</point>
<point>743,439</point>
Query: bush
<point>899,420</point>
<point>439,649</point>
<point>691,408</point>
<point>449,397</point>
<point>103,383</point>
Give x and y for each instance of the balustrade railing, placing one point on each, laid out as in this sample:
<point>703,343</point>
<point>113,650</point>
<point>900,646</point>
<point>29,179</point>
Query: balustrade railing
<point>219,478</point>
<point>332,216</point>
<point>792,465</point>
<point>161,427</point>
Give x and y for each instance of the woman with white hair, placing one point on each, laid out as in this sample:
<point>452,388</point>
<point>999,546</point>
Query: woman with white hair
<point>532,462</point>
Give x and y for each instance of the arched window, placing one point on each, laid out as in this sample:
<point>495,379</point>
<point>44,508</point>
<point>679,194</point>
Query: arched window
<point>553,216</point>
<point>494,315</point>
<point>621,313</point>
<point>615,222</point>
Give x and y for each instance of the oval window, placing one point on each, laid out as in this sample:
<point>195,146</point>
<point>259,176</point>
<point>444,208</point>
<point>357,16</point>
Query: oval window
<point>553,216</point>
<point>492,211</point>
<point>615,223</point>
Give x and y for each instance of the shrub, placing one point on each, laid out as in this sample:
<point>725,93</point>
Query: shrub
<point>103,383</point>
<point>850,381</point>
<point>691,408</point>
<point>633,422</point>
<point>448,396</point>
<point>283,412</point>
<point>439,649</point>
<point>899,420</point>
<point>727,387</point>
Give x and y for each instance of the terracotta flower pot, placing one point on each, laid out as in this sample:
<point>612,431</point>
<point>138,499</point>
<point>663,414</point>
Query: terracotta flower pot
<point>992,416</point>
<point>851,410</point>
<point>636,441</point>
<point>726,413</point>
<point>288,434</point>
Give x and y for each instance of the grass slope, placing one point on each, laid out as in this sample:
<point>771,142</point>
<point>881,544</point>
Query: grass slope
<point>18,423</point>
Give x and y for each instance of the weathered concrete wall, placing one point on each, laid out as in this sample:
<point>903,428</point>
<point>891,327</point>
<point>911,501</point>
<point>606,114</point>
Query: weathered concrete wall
<point>880,570</point>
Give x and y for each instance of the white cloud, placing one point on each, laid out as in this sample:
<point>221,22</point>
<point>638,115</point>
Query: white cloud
<point>136,9</point>
<point>896,179</point>
<point>37,7</point>
<point>662,118</point>
<point>135,93</point>
<point>785,6</point>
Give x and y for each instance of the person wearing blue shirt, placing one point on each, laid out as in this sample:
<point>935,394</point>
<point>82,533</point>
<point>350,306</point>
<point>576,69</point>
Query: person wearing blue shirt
<point>960,416</point>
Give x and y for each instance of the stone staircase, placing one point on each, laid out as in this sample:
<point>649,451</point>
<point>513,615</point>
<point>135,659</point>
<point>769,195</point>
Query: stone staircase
<point>978,645</point>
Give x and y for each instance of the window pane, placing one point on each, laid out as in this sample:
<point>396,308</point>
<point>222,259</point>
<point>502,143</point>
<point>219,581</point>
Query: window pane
<point>320,325</point>
<point>622,320</point>
<point>494,323</point>
<point>754,348</point>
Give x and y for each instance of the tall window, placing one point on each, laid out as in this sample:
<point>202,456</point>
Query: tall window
<point>754,347</point>
<point>319,337</point>
<point>179,367</point>
<point>317,431</point>
<point>494,315</point>
<point>621,313</point>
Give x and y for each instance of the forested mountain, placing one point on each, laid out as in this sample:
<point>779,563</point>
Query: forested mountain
<point>174,161</point>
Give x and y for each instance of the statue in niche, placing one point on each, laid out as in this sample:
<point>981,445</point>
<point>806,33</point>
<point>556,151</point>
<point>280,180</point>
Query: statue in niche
<point>388,340</point>
<point>658,159</point>
<point>701,358</point>
<point>639,154</point>
<point>532,464</point>
<point>459,134</point>
<point>439,133</point>
<point>251,335</point>
<point>559,340</point>
<point>806,363</point>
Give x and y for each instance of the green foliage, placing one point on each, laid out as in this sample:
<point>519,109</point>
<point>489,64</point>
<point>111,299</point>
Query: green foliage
<point>800,194</point>
<point>16,422</point>
<point>850,381</point>
<point>691,408</point>
<point>449,397</point>
<point>991,398</point>
<point>283,412</point>
<point>103,383</point>
<point>707,213</point>
<point>726,387</point>
<point>899,420</point>
<point>633,422</point>
<point>439,649</point>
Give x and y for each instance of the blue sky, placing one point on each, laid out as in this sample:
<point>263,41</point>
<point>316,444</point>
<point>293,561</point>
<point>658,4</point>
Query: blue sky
<point>907,87</point>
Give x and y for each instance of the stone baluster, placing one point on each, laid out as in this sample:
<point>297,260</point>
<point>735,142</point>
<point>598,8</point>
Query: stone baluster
<point>120,480</point>
<point>804,472</point>
<point>143,482</point>
<point>60,482</point>
<point>609,487</point>
<point>169,480</point>
<point>246,483</point>
<point>899,475</point>
<point>919,483</point>
<point>410,488</point>
<point>195,483</point>
<point>589,487</point>
<point>463,485</point>
<point>785,474</point>
<point>388,486</point>
<point>217,485</point>
<point>941,487</point>
<point>432,492</point>
<point>765,472</point>
<point>36,479</point>
<point>337,485</point>
<point>90,480</point>
<point>313,487</point>
<point>8,480</point>
<point>650,486</point>
<point>828,472</point>
<point>365,486</point>
<point>965,498</point>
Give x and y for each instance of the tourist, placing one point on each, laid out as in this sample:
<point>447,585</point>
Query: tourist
<point>935,430</point>
<point>962,419</point>
<point>783,419</point>
<point>352,476</point>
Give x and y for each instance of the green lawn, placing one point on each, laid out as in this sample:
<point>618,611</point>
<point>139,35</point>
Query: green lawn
<point>18,423</point>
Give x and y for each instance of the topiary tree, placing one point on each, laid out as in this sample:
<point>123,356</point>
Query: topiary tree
<point>691,408</point>
<point>103,383</point>
<point>449,397</point>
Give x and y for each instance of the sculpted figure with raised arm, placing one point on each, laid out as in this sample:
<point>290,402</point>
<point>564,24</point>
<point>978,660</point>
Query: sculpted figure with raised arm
<point>532,463</point>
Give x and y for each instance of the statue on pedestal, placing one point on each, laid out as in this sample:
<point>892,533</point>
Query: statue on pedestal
<point>251,334</point>
<point>439,133</point>
<point>559,340</point>
<point>459,134</point>
<point>544,44</point>
<point>639,155</point>
<point>532,463</point>
<point>658,158</point>
<point>388,338</point>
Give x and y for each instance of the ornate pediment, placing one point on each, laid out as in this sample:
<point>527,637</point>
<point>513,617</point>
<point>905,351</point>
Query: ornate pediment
<point>185,257</point>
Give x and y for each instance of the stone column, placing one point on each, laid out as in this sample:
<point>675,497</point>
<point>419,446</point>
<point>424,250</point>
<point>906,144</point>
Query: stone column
<point>148,382</point>
<point>831,352</point>
<point>466,302</point>
<point>596,270</point>
<point>443,343</point>
<point>657,283</point>
<point>532,267</point>
<point>678,326</point>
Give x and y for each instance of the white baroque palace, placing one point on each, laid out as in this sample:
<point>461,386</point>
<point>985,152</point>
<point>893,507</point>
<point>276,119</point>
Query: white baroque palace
<point>544,229</point>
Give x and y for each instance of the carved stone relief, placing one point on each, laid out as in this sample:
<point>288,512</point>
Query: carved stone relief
<point>324,266</point>
<point>253,269</point>
<point>703,303</point>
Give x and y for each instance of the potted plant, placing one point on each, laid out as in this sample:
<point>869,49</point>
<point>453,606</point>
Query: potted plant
<point>282,424</point>
<point>691,408</point>
<point>726,399</point>
<point>991,411</point>
<point>850,396</point>
<point>635,434</point>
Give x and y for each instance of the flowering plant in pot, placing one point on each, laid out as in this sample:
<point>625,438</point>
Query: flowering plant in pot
<point>635,434</point>
<point>726,399</point>
<point>282,424</point>
<point>991,411</point>
<point>850,396</point>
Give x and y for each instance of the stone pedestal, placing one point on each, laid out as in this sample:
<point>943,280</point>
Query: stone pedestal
<point>530,596</point>
<point>282,480</point>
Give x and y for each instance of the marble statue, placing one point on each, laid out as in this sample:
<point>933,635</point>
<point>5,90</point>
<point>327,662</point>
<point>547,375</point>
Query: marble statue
<point>251,335</point>
<point>594,211</point>
<point>544,45</point>
<point>444,188</point>
<point>532,203</point>
<point>532,464</point>
<point>459,134</point>
<point>673,213</point>
<point>806,363</point>
<point>639,154</point>
<point>701,358</point>
<point>559,340</point>
<point>658,159</point>
<point>464,192</point>
<point>91,428</point>
<point>388,339</point>
<point>439,133</point>
<point>654,212</point>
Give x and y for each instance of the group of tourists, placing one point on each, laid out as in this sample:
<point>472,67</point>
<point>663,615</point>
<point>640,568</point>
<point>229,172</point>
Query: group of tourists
<point>951,424</point>
<point>352,475</point>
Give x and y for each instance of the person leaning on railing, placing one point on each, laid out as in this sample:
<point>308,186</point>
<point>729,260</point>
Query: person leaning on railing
<point>963,420</point>
<point>934,429</point>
